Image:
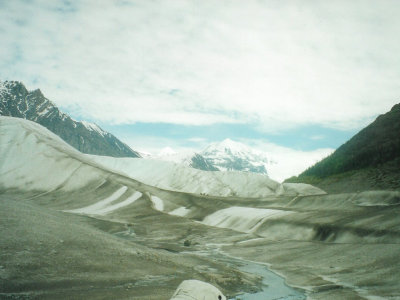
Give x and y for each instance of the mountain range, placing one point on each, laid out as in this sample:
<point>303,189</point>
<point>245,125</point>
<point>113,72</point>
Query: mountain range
<point>17,101</point>
<point>230,155</point>
<point>227,155</point>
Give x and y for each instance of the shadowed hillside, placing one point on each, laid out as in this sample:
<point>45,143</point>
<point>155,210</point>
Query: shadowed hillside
<point>369,160</point>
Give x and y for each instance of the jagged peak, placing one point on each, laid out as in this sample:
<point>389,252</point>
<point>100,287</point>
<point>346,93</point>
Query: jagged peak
<point>233,144</point>
<point>10,84</point>
<point>13,82</point>
<point>38,92</point>
<point>16,100</point>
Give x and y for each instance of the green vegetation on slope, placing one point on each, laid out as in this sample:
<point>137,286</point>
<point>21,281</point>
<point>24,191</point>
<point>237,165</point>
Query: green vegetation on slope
<point>374,150</point>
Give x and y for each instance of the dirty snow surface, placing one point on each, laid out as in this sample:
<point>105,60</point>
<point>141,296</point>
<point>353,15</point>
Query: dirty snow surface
<point>33,158</point>
<point>176,177</point>
<point>44,152</point>
<point>108,204</point>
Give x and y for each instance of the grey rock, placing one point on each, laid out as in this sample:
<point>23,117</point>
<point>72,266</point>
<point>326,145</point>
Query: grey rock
<point>17,101</point>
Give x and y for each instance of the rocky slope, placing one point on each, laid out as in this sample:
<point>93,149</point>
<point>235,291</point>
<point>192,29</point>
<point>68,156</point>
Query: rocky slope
<point>186,158</point>
<point>17,101</point>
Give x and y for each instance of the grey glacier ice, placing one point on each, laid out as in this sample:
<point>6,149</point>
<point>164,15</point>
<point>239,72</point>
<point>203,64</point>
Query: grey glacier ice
<point>177,177</point>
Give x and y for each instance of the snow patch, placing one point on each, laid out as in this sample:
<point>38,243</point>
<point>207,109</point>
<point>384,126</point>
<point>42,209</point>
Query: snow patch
<point>93,127</point>
<point>158,203</point>
<point>102,204</point>
<point>243,219</point>
<point>180,211</point>
<point>44,111</point>
<point>116,206</point>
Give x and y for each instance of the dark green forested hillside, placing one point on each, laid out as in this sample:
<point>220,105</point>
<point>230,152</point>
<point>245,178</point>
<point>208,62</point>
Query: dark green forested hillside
<point>371,159</point>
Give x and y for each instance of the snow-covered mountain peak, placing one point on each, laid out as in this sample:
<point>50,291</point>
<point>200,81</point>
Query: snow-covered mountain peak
<point>231,147</point>
<point>5,86</point>
<point>232,155</point>
<point>227,155</point>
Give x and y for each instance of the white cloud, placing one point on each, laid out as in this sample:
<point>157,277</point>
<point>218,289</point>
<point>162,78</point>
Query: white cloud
<point>290,162</point>
<point>154,145</point>
<point>274,64</point>
<point>287,162</point>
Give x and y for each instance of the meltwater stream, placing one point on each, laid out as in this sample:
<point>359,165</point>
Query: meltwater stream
<point>273,285</point>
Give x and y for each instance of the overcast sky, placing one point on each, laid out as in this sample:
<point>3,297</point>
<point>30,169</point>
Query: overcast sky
<point>296,77</point>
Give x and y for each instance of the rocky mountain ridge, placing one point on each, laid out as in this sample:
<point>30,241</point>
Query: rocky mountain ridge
<point>17,101</point>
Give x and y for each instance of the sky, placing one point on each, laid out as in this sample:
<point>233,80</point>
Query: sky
<point>293,78</point>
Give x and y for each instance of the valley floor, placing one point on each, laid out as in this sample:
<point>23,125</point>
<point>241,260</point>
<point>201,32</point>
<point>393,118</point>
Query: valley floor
<point>48,254</point>
<point>141,253</point>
